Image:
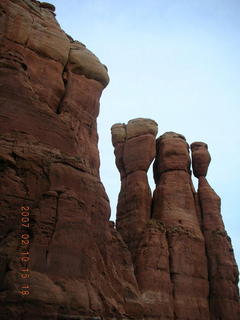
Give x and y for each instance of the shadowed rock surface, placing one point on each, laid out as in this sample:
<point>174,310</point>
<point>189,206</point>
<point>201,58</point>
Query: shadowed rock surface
<point>50,90</point>
<point>222,268</point>
<point>174,205</point>
<point>168,257</point>
<point>134,150</point>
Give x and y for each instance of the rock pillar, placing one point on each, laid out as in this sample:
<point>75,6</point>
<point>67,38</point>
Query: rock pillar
<point>222,268</point>
<point>174,205</point>
<point>134,150</point>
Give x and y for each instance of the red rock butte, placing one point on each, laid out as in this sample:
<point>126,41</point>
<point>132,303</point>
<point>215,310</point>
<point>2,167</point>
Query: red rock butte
<point>167,258</point>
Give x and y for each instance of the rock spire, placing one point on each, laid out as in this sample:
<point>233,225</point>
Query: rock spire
<point>167,257</point>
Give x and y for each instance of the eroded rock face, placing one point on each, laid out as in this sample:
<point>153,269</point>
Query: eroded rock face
<point>134,150</point>
<point>222,268</point>
<point>182,251</point>
<point>167,258</point>
<point>152,271</point>
<point>50,90</point>
<point>174,205</point>
<point>200,158</point>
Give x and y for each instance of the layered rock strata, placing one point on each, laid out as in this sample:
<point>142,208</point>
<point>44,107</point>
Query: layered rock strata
<point>134,150</point>
<point>50,88</point>
<point>60,257</point>
<point>183,259</point>
<point>174,205</point>
<point>222,268</point>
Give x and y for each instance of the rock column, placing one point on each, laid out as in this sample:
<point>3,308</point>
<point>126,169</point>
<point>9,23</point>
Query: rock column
<point>174,206</point>
<point>153,273</point>
<point>222,268</point>
<point>146,238</point>
<point>134,150</point>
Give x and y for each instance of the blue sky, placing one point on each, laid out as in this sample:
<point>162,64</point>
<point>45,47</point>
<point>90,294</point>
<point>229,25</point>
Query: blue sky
<point>176,62</point>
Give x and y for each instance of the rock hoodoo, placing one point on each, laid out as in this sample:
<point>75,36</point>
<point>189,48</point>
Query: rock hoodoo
<point>168,257</point>
<point>134,150</point>
<point>222,268</point>
<point>174,205</point>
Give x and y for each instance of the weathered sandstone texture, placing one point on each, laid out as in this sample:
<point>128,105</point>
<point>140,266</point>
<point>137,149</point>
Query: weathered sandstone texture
<point>50,88</point>
<point>183,259</point>
<point>134,150</point>
<point>222,268</point>
<point>174,205</point>
<point>168,257</point>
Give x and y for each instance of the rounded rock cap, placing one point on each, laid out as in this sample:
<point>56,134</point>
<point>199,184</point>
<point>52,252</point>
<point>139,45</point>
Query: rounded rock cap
<point>197,145</point>
<point>171,135</point>
<point>200,158</point>
<point>118,131</point>
<point>134,128</point>
<point>84,62</point>
<point>172,153</point>
<point>141,126</point>
<point>48,6</point>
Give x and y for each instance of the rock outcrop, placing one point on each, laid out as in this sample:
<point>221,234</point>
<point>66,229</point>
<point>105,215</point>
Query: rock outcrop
<point>134,150</point>
<point>181,253</point>
<point>174,205</point>
<point>222,268</point>
<point>50,89</point>
<point>168,257</point>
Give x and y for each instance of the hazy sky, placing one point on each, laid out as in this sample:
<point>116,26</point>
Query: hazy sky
<point>174,61</point>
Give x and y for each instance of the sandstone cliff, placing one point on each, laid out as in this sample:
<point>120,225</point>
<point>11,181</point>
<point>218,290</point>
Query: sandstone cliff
<point>50,91</point>
<point>169,256</point>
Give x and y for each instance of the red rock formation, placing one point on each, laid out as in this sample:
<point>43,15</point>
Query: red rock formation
<point>200,159</point>
<point>50,90</point>
<point>174,205</point>
<point>152,271</point>
<point>70,262</point>
<point>222,268</point>
<point>182,273</point>
<point>135,150</point>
